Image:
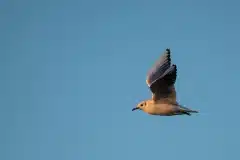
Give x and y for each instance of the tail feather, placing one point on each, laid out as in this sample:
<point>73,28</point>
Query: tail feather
<point>187,111</point>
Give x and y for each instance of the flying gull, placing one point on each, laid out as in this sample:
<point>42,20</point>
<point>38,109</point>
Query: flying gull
<point>160,80</point>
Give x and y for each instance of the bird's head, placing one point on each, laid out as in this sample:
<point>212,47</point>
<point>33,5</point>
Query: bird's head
<point>140,105</point>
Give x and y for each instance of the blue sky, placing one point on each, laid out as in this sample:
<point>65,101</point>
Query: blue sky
<point>71,71</point>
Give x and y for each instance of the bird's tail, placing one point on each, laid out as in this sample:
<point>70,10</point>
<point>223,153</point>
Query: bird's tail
<point>187,111</point>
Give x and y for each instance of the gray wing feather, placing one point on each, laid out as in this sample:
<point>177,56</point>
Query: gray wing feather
<point>159,68</point>
<point>161,85</point>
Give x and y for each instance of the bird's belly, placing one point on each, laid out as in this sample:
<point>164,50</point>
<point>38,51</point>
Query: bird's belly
<point>163,109</point>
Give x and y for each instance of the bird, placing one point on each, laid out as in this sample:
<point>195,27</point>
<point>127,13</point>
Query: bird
<point>160,80</point>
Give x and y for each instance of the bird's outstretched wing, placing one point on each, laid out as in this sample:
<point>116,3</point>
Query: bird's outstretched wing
<point>161,78</point>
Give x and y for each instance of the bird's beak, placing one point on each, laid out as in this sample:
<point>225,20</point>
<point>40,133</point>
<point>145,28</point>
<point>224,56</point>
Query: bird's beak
<point>135,108</point>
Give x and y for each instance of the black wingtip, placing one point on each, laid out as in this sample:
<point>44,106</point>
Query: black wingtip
<point>175,66</point>
<point>168,52</point>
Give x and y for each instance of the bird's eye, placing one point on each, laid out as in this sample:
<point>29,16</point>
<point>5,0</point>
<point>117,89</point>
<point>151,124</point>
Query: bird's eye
<point>141,105</point>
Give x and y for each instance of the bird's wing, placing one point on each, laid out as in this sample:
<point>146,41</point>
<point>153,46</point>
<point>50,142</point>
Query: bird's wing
<point>161,78</point>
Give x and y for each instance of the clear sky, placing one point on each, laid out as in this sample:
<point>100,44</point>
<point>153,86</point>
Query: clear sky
<point>72,70</point>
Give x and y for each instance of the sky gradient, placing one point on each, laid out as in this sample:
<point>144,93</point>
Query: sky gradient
<point>71,71</point>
